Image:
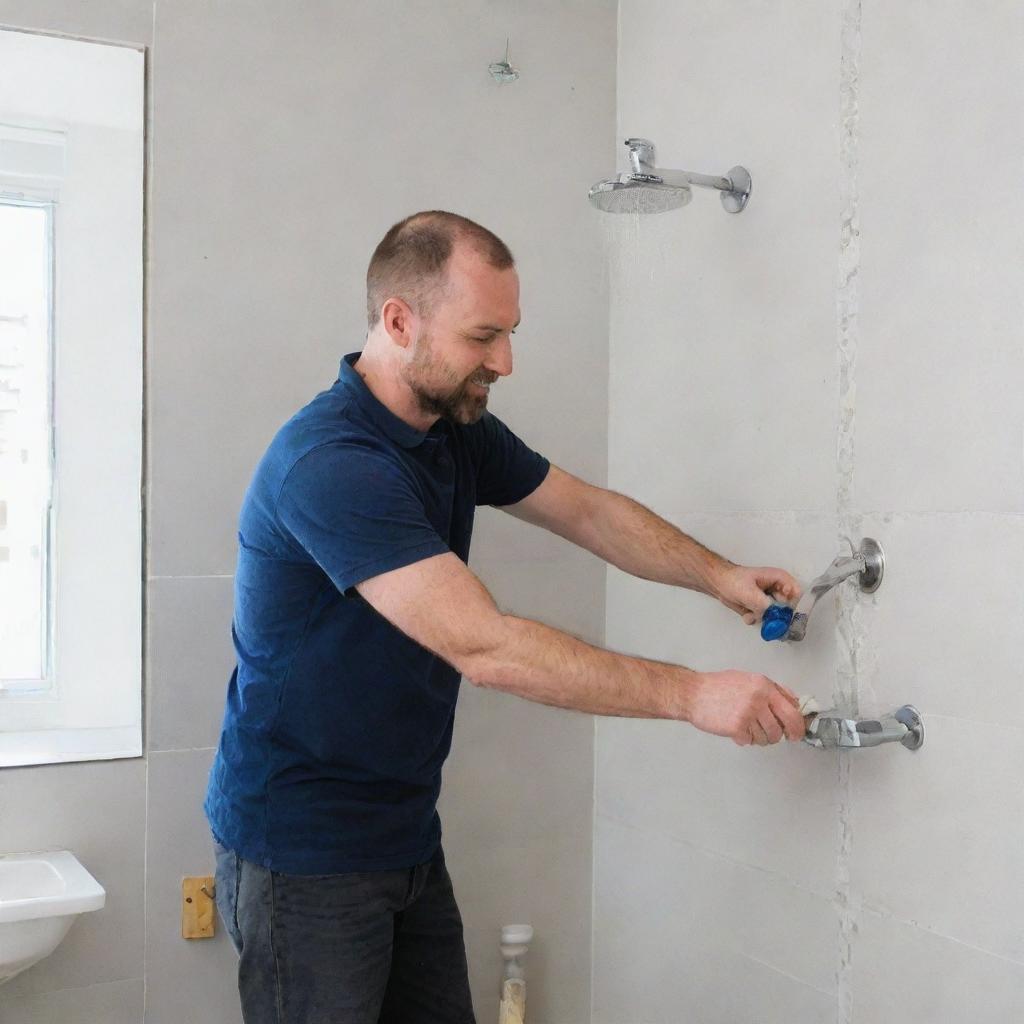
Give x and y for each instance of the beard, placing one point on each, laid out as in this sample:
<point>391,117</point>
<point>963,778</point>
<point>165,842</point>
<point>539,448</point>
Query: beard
<point>439,391</point>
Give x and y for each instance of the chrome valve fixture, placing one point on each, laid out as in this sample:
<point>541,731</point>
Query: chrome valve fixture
<point>831,730</point>
<point>867,563</point>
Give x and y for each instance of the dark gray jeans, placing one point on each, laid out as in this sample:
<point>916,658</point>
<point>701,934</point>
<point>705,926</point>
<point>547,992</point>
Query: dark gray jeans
<point>382,947</point>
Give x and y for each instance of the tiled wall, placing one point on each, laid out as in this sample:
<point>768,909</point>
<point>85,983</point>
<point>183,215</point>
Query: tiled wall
<point>281,149</point>
<point>842,359</point>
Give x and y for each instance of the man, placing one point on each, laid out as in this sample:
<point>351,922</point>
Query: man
<point>355,615</point>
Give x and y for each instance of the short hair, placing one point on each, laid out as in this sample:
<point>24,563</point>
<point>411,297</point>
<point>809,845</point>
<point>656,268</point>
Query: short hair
<point>411,259</point>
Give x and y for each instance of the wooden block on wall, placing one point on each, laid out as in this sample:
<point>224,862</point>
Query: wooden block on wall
<point>197,907</point>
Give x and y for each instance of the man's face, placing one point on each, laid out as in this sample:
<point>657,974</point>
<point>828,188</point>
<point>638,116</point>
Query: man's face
<point>465,346</point>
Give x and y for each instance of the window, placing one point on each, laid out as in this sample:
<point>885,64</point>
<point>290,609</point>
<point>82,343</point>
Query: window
<point>71,172</point>
<point>25,445</point>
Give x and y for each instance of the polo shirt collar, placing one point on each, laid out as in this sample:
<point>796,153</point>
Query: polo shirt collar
<point>391,425</point>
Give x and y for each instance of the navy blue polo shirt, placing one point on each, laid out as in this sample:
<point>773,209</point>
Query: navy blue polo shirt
<point>337,724</point>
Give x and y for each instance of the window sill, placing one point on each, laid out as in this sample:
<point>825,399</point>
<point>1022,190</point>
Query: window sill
<point>59,746</point>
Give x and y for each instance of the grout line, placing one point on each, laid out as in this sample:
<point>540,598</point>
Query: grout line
<point>89,985</point>
<point>712,854</point>
<point>607,278</point>
<point>739,512</point>
<point>849,626</point>
<point>593,854</point>
<point>786,974</point>
<point>145,899</point>
<point>875,513</point>
<point>886,915</point>
<point>208,576</point>
<point>147,296</point>
<point>924,512</point>
<point>844,901</point>
<point>182,750</point>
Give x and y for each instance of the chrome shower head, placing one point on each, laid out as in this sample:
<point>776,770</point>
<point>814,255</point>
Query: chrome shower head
<point>638,194</point>
<point>649,189</point>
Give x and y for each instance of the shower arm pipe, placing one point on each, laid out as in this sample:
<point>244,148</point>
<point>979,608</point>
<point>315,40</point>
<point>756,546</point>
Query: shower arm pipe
<point>841,569</point>
<point>867,563</point>
<point>678,178</point>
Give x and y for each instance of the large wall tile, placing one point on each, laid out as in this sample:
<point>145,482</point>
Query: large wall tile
<point>524,880</point>
<point>542,591</point>
<point>548,757</point>
<point>722,366</point>
<point>120,21</point>
<point>774,809</point>
<point>945,631</point>
<point>254,302</point>
<point>500,538</point>
<point>939,418</point>
<point>191,659</point>
<point>683,935</point>
<point>97,810</point>
<point>179,844</point>
<point>517,794</point>
<point>934,833</point>
<point>904,973</point>
<point>112,1002</point>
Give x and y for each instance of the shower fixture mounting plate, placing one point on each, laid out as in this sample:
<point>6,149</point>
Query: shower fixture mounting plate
<point>911,718</point>
<point>735,200</point>
<point>874,565</point>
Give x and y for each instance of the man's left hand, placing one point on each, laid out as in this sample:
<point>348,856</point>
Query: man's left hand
<point>749,591</point>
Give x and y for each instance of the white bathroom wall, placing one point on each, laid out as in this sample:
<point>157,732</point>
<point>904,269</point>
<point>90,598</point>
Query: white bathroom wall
<point>842,359</point>
<point>284,140</point>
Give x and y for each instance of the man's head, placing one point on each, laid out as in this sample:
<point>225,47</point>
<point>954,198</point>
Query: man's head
<point>442,298</point>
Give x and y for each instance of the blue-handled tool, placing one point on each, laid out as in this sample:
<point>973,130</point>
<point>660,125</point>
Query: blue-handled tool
<point>776,621</point>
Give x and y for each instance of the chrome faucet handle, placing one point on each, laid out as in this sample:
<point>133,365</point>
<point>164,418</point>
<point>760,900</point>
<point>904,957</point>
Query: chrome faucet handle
<point>831,730</point>
<point>867,563</point>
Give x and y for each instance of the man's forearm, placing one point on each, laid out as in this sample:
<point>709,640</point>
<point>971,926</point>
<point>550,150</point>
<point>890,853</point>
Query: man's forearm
<point>441,605</point>
<point>635,540</point>
<point>542,664</point>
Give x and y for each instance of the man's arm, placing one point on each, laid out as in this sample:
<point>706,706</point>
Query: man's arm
<point>632,538</point>
<point>440,604</point>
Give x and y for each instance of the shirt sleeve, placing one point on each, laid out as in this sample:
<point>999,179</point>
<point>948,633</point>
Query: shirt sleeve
<point>507,470</point>
<point>356,513</point>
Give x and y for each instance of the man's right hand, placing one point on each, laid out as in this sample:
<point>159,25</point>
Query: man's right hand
<point>747,708</point>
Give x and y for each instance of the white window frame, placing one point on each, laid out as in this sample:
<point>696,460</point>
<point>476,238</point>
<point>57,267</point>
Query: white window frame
<point>92,95</point>
<point>40,195</point>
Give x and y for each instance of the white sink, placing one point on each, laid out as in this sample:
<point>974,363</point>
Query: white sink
<point>41,894</point>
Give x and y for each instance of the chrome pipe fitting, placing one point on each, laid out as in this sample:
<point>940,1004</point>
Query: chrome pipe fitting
<point>833,730</point>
